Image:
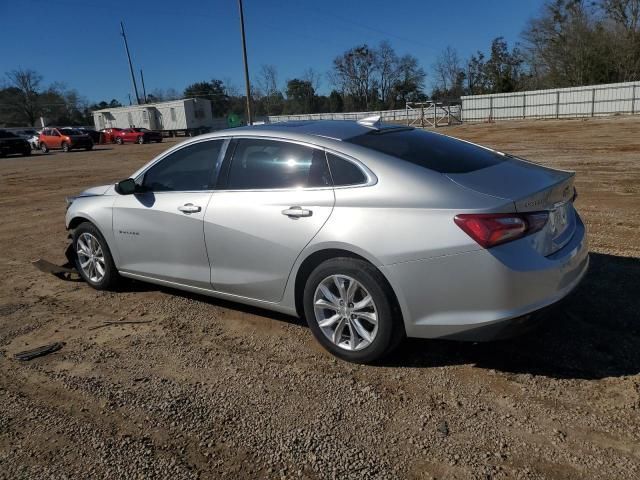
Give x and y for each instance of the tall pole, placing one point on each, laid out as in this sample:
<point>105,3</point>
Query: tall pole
<point>133,77</point>
<point>246,66</point>
<point>144,90</point>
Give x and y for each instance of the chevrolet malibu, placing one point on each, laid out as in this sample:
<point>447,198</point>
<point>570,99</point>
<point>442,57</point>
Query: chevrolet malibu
<point>371,232</point>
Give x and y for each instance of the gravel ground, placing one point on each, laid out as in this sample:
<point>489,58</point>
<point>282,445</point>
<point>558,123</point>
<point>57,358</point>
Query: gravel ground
<point>210,389</point>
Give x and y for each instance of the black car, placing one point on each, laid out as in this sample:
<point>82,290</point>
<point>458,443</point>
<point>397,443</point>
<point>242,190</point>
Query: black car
<point>12,143</point>
<point>95,136</point>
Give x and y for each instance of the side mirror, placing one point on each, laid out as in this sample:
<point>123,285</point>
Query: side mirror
<point>127,187</point>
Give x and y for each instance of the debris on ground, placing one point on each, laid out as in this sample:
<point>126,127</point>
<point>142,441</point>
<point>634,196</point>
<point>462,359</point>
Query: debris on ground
<point>39,352</point>
<point>64,272</point>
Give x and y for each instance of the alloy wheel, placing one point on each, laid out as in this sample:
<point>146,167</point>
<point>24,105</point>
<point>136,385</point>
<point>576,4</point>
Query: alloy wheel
<point>345,312</point>
<point>91,257</point>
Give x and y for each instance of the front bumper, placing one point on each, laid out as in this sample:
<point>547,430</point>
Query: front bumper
<point>486,294</point>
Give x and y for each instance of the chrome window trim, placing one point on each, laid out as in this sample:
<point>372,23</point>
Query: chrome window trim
<point>371,178</point>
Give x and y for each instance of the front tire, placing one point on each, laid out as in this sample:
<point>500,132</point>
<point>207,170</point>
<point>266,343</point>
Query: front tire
<point>118,140</point>
<point>93,257</point>
<point>350,310</point>
<point>140,140</point>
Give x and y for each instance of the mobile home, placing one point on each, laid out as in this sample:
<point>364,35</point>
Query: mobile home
<point>188,116</point>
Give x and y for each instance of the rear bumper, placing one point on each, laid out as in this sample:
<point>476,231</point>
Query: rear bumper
<point>486,294</point>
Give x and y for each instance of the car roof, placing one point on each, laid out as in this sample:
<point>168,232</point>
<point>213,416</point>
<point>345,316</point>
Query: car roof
<point>334,129</point>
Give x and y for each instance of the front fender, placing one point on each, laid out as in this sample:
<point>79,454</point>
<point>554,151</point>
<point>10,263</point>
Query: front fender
<point>99,211</point>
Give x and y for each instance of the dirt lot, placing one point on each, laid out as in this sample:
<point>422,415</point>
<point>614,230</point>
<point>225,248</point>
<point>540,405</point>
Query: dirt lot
<point>213,389</point>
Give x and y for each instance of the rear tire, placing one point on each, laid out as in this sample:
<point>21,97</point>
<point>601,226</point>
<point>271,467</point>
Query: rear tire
<point>44,148</point>
<point>140,140</point>
<point>370,298</point>
<point>90,147</point>
<point>118,140</point>
<point>93,258</point>
<point>26,152</point>
<point>65,147</point>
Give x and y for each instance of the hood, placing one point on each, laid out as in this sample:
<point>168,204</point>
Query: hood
<point>93,191</point>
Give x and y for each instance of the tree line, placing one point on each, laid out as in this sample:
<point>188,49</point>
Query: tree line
<point>569,43</point>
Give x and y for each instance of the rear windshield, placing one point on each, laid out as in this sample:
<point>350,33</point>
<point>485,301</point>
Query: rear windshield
<point>429,150</point>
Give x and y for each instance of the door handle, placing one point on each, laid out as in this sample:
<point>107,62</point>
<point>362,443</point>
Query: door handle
<point>189,208</point>
<point>297,212</point>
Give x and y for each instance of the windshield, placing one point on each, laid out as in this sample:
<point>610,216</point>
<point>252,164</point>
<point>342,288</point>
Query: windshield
<point>429,150</point>
<point>70,131</point>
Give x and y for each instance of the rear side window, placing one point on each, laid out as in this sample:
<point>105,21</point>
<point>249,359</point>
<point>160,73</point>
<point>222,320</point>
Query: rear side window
<point>345,172</point>
<point>429,150</point>
<point>270,164</point>
<point>189,169</point>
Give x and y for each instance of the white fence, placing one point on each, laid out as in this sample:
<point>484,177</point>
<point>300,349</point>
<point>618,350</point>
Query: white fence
<point>396,116</point>
<point>589,101</point>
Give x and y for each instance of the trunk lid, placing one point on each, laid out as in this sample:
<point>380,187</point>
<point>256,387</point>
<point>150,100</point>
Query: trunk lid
<point>532,188</point>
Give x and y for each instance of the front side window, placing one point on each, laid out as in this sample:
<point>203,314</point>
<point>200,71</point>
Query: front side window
<point>269,164</point>
<point>189,169</point>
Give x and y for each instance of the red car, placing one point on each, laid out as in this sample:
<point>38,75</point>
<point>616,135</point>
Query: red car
<point>138,135</point>
<point>109,134</point>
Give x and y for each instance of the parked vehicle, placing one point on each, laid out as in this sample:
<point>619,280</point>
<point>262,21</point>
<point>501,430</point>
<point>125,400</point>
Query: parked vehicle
<point>370,231</point>
<point>95,136</point>
<point>138,135</point>
<point>65,139</point>
<point>31,135</point>
<point>109,134</point>
<point>11,143</point>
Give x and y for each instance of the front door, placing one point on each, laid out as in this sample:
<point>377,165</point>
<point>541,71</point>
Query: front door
<point>159,231</point>
<point>274,198</point>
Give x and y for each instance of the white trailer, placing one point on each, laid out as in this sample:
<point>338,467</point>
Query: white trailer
<point>189,116</point>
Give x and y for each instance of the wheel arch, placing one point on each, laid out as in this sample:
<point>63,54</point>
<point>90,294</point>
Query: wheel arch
<point>316,258</point>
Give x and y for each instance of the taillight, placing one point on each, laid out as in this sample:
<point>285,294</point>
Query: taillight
<point>491,229</point>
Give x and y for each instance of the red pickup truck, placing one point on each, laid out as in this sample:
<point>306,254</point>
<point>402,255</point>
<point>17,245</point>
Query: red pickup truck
<point>137,135</point>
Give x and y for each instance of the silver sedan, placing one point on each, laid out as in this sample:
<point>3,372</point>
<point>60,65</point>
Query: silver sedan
<point>371,232</point>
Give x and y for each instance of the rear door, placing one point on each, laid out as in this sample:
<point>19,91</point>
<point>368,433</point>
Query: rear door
<point>273,198</point>
<point>159,232</point>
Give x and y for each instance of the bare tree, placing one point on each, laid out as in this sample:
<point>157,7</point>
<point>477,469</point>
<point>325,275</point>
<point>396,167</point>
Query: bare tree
<point>267,92</point>
<point>313,77</point>
<point>354,74</point>
<point>27,84</point>
<point>387,64</point>
<point>624,12</point>
<point>447,68</point>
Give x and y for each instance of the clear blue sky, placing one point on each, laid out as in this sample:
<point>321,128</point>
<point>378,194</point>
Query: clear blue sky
<point>77,42</point>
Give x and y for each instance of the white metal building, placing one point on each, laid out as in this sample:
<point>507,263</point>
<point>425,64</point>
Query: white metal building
<point>186,115</point>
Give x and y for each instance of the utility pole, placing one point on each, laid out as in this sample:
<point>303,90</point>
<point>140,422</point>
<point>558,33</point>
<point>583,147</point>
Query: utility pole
<point>246,66</point>
<point>133,77</point>
<point>144,90</point>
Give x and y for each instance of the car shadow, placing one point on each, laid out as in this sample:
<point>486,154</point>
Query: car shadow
<point>594,333</point>
<point>130,285</point>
